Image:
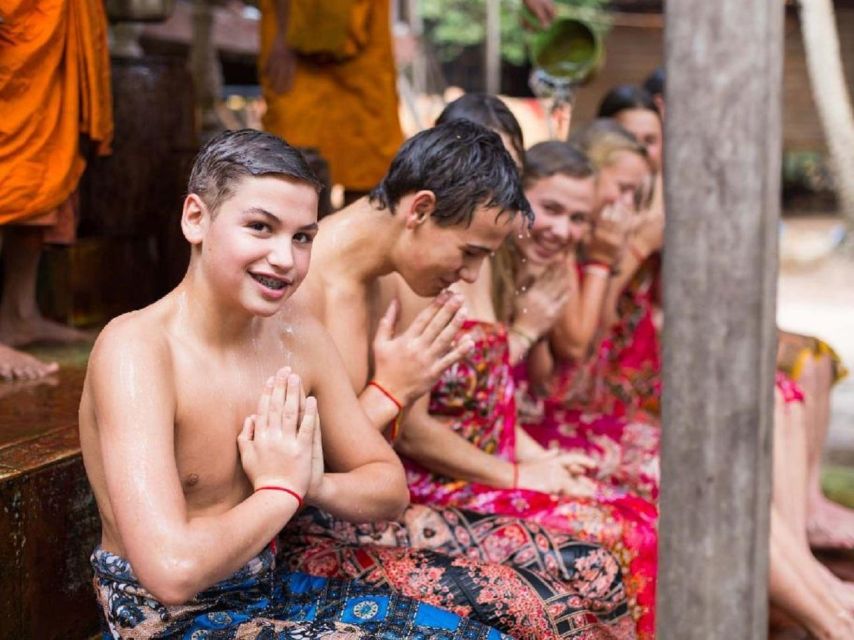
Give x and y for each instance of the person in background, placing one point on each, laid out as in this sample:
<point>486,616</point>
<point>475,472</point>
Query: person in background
<point>57,106</point>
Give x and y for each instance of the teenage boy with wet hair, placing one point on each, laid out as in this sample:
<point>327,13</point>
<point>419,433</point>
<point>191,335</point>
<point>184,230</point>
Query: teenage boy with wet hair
<point>193,474</point>
<point>449,199</point>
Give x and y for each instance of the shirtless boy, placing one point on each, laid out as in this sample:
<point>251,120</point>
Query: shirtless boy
<point>192,472</point>
<point>449,199</point>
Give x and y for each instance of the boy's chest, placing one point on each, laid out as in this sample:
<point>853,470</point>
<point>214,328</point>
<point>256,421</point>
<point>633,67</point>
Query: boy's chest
<point>214,402</point>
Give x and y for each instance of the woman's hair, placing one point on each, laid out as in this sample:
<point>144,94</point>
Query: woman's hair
<point>654,83</point>
<point>602,139</point>
<point>623,97</point>
<point>489,111</point>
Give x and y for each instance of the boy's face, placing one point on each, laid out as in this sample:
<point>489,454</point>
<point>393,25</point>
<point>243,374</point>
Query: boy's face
<point>256,249</point>
<point>563,209</point>
<point>434,257</point>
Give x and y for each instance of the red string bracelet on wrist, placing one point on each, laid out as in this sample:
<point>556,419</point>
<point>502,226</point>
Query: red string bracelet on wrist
<point>395,424</point>
<point>290,492</point>
<point>387,394</point>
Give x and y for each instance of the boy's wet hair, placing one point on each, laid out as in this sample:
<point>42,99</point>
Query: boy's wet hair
<point>233,155</point>
<point>554,157</point>
<point>464,164</point>
<point>489,111</point>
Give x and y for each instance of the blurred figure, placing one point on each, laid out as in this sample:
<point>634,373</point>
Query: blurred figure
<point>54,87</point>
<point>329,80</point>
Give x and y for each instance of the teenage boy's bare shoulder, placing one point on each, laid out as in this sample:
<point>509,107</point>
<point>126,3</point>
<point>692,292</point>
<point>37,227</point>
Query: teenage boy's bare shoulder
<point>130,351</point>
<point>305,340</point>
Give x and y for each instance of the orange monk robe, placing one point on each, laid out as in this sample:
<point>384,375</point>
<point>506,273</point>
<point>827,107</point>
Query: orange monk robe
<point>54,86</point>
<point>347,110</point>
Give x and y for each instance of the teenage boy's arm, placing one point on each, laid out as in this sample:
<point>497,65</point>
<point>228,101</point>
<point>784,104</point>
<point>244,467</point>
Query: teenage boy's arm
<point>174,555</point>
<point>408,364</point>
<point>435,446</point>
<point>366,480</point>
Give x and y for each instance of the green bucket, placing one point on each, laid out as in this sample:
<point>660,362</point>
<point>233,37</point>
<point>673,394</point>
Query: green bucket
<point>569,49</point>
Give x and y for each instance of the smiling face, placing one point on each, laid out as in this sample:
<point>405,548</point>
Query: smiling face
<point>563,209</point>
<point>645,125</point>
<point>431,257</point>
<point>255,249</point>
<point>620,179</point>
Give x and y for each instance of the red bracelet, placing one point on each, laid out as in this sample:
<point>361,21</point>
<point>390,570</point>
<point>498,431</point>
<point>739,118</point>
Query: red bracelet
<point>395,429</point>
<point>290,492</point>
<point>515,475</point>
<point>387,394</point>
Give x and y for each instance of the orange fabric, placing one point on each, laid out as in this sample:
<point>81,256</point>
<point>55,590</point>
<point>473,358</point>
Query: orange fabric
<point>346,109</point>
<point>54,86</point>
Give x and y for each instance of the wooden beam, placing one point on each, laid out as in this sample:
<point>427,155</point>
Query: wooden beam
<point>492,50</point>
<point>723,148</point>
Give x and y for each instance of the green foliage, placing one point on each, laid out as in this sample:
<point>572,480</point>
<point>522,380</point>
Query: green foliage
<point>452,25</point>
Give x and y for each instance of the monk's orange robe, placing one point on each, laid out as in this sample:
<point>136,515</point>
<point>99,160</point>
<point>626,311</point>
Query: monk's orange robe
<point>54,86</point>
<point>346,109</point>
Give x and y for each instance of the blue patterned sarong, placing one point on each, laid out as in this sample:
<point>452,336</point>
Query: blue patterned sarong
<point>261,601</point>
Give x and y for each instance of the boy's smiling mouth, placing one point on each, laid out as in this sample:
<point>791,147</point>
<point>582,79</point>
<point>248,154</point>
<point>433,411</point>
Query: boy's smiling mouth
<point>271,282</point>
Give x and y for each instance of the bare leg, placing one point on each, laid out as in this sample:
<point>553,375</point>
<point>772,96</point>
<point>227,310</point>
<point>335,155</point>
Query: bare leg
<point>789,493</point>
<point>790,465</point>
<point>829,525</point>
<point>797,589</point>
<point>21,321</point>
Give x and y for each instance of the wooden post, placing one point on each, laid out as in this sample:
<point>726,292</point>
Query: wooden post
<point>723,147</point>
<point>492,50</point>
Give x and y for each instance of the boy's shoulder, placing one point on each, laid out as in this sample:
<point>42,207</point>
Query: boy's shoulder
<point>137,337</point>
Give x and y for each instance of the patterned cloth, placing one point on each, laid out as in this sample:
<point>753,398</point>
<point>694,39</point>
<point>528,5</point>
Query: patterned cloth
<point>261,601</point>
<point>476,397</point>
<point>512,575</point>
<point>794,350</point>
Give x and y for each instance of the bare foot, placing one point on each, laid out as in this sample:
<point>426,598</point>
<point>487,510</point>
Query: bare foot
<point>830,525</point>
<point>20,332</point>
<point>16,365</point>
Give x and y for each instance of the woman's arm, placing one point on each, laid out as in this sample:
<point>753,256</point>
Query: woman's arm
<point>435,446</point>
<point>576,328</point>
<point>430,442</point>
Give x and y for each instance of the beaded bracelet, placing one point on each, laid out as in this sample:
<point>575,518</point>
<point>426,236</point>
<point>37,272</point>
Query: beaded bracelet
<point>528,339</point>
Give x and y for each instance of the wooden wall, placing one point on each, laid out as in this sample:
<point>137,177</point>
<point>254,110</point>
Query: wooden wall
<point>632,52</point>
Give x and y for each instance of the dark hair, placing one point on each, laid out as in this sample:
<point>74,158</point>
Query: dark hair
<point>464,164</point>
<point>555,157</point>
<point>489,111</point>
<point>654,83</point>
<point>625,96</point>
<point>232,155</point>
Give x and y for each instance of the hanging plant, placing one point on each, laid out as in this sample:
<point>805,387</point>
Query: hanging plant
<point>452,25</point>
